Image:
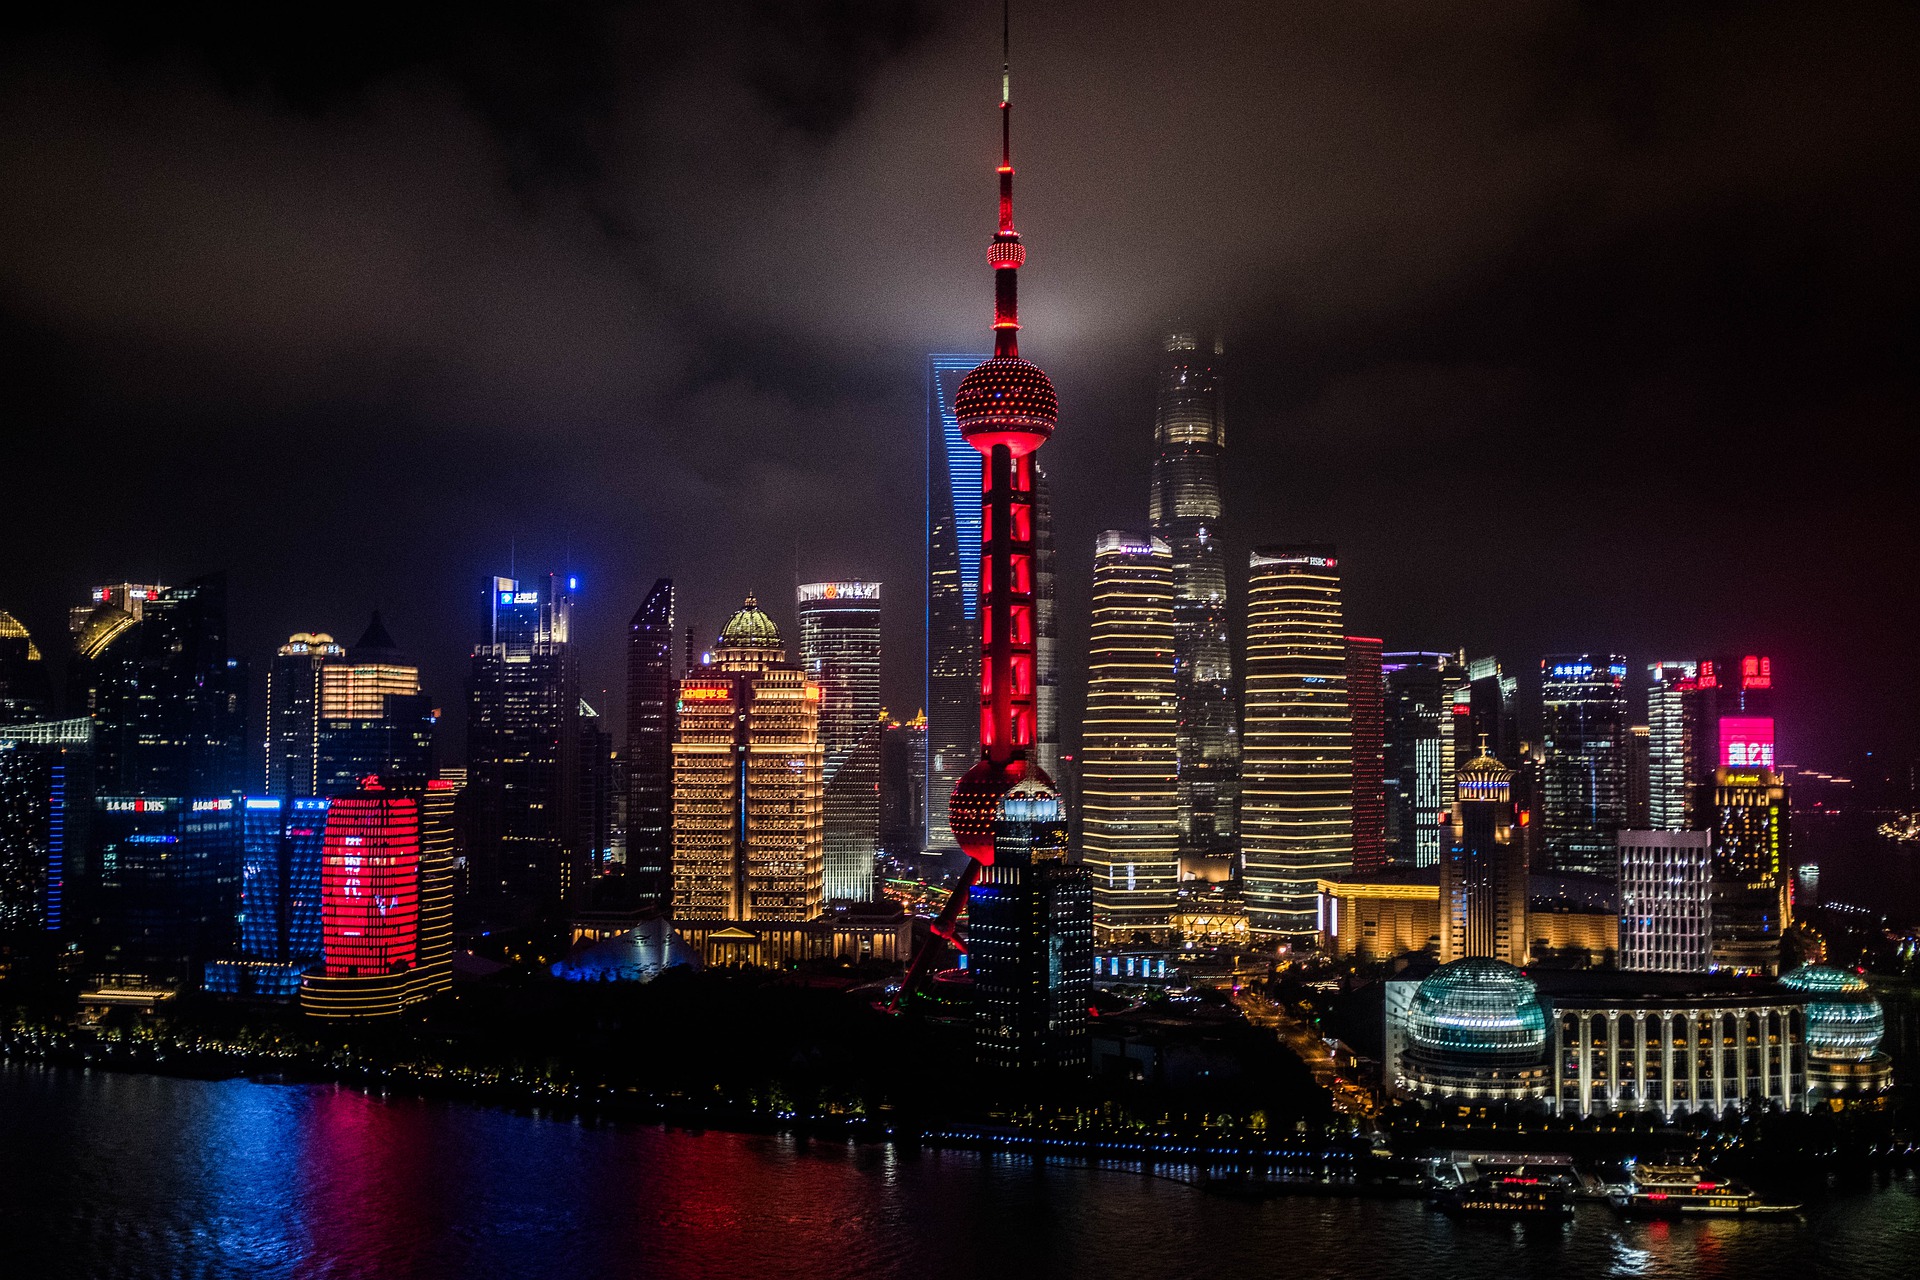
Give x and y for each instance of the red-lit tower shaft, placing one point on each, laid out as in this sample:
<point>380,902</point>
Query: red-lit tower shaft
<point>1007,410</point>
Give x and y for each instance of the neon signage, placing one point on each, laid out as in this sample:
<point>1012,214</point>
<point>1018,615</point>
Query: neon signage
<point>1746,742</point>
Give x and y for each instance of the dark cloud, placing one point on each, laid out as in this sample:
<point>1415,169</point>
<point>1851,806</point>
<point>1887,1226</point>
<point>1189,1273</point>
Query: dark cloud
<point>1574,324</point>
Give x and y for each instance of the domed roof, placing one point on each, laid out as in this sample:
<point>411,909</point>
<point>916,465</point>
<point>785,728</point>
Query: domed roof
<point>1844,1022</point>
<point>10,629</point>
<point>750,629</point>
<point>1485,769</point>
<point>103,626</point>
<point>1478,1009</point>
<point>1006,393</point>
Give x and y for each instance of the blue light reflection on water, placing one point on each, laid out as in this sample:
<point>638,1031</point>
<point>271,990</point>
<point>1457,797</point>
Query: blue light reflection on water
<point>135,1176</point>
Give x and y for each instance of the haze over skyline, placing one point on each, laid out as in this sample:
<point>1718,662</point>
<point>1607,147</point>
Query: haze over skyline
<point>1573,330</point>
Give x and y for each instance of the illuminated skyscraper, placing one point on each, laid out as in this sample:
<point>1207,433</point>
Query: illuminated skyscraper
<point>1484,711</point>
<point>1584,800</point>
<point>283,839</point>
<point>523,749</point>
<point>1006,410</point>
<point>1742,693</point>
<point>1483,873</point>
<point>25,692</point>
<point>1419,750</point>
<point>1129,793</point>
<point>840,652</point>
<point>151,669</point>
<point>166,884</point>
<point>1296,753</point>
<point>650,721</point>
<point>748,808</point>
<point>374,719</point>
<point>1676,727</point>
<point>46,796</point>
<point>1666,901</point>
<point>1190,437</point>
<point>1366,703</point>
<point>293,713</point>
<point>386,901</point>
<point>1752,849</point>
<point>953,594</point>
<point>903,785</point>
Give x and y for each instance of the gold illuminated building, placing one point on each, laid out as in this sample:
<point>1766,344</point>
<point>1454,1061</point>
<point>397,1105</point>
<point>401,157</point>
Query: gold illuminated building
<point>748,793</point>
<point>1130,800</point>
<point>1296,773</point>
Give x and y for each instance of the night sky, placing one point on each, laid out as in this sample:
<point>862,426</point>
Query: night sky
<point>1575,326</point>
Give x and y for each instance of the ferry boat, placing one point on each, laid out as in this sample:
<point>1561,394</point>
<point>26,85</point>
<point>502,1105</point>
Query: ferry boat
<point>1484,1187</point>
<point>1679,1190</point>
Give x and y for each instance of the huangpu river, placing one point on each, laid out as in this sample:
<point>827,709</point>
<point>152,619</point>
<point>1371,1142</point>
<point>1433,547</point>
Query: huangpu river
<point>112,1175</point>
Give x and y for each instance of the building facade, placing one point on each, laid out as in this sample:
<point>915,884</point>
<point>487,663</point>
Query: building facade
<point>1296,752</point>
<point>1666,901</point>
<point>748,787</point>
<point>1584,801</point>
<point>1483,874</point>
<point>46,797</point>
<point>953,594</point>
<point>903,785</point>
<point>374,718</point>
<point>523,750</point>
<point>26,692</point>
<point>840,652</point>
<point>1128,764</point>
<point>1417,753</point>
<point>651,699</point>
<point>293,712</point>
<point>283,842</point>
<point>1366,702</point>
<point>1752,850</point>
<point>1190,437</point>
<point>1676,730</point>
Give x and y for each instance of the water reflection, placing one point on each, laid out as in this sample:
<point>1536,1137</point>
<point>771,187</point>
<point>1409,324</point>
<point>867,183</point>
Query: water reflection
<point>112,1176</point>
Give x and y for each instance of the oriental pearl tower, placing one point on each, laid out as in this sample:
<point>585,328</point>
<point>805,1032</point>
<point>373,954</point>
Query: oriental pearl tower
<point>1006,409</point>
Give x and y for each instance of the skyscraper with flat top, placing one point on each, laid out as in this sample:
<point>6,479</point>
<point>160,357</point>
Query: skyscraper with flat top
<point>1190,437</point>
<point>1129,806</point>
<point>953,594</point>
<point>651,699</point>
<point>1666,901</point>
<point>748,813</point>
<point>840,652</point>
<point>1296,755</point>
<point>1366,693</point>
<point>1676,730</point>
<point>293,712</point>
<point>1584,699</point>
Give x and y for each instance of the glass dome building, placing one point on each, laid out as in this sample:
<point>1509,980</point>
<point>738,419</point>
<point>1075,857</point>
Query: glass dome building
<point>1475,1030</point>
<point>1844,1028</point>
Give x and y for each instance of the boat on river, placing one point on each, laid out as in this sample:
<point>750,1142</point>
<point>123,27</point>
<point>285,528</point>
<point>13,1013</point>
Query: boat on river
<point>1686,1190</point>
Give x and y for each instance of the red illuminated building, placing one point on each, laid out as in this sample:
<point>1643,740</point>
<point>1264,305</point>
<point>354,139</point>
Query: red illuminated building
<point>370,883</point>
<point>1006,409</point>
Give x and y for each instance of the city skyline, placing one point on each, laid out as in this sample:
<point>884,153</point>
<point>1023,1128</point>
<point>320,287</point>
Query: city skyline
<point>1540,334</point>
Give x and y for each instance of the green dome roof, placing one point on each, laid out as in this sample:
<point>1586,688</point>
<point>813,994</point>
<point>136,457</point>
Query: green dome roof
<point>750,629</point>
<point>1478,1009</point>
<point>1844,1022</point>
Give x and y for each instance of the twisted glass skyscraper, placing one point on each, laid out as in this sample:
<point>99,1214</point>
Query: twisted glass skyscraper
<point>1189,432</point>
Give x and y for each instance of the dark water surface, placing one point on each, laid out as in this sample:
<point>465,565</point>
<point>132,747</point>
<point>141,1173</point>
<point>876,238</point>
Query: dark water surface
<point>138,1176</point>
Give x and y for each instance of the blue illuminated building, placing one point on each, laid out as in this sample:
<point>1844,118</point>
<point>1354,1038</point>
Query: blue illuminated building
<point>45,770</point>
<point>168,883</point>
<point>953,641</point>
<point>282,838</point>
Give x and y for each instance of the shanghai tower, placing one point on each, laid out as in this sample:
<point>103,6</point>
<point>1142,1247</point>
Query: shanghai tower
<point>1189,432</point>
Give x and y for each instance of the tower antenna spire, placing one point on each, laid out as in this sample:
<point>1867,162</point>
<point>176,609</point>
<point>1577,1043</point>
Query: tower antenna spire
<point>1006,57</point>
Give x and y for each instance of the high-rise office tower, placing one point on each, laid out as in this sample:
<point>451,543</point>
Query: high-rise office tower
<point>1030,940</point>
<point>1418,752</point>
<point>1483,873</point>
<point>1752,849</point>
<point>748,808</point>
<point>374,719</point>
<point>26,694</point>
<point>46,797</point>
<point>1742,693</point>
<point>1006,410</point>
<point>293,712</point>
<point>1666,901</point>
<point>166,885</point>
<point>1676,727</point>
<point>953,594</point>
<point>1129,790</point>
<point>1366,705</point>
<point>386,895</point>
<point>1190,437</point>
<point>594,784</point>
<point>1584,701</point>
<point>903,785</point>
<point>151,669</point>
<point>523,748</point>
<point>1296,771</point>
<point>1484,711</point>
<point>651,699</point>
<point>840,652</point>
<point>282,840</point>
<point>1639,807</point>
